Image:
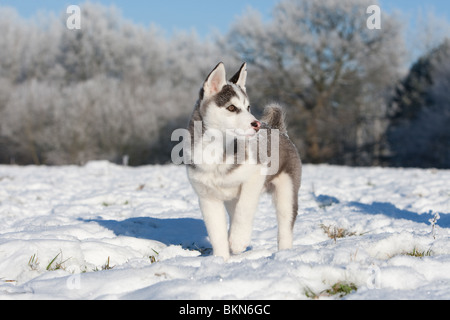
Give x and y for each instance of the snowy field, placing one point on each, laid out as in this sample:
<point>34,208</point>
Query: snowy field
<point>104,231</point>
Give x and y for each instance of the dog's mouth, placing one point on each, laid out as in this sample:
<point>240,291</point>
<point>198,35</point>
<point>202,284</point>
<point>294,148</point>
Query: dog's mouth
<point>245,133</point>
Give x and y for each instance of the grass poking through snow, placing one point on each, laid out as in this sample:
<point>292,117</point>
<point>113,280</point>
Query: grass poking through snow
<point>339,290</point>
<point>419,254</point>
<point>335,233</point>
<point>55,265</point>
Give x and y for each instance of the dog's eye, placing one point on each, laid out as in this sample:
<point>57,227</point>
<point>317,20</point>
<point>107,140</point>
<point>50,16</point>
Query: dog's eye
<point>232,108</point>
<point>248,108</point>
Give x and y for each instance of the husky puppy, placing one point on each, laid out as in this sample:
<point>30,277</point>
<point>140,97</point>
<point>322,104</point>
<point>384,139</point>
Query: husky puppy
<point>228,185</point>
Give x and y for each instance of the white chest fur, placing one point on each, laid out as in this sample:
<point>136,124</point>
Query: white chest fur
<point>216,175</point>
<point>221,181</point>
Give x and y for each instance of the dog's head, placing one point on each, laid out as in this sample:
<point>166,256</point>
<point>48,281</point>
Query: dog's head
<point>224,105</point>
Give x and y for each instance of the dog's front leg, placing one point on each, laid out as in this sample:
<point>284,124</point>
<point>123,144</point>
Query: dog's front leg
<point>242,218</point>
<point>215,218</point>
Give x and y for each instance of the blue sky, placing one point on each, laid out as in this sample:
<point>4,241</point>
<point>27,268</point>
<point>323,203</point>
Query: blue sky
<point>204,15</point>
<point>201,15</point>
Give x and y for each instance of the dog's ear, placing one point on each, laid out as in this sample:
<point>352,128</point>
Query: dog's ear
<point>240,78</point>
<point>215,81</point>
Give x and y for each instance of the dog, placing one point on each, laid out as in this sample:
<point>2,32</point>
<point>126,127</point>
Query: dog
<point>225,184</point>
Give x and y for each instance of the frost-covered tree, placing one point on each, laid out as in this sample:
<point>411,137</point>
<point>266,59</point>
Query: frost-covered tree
<point>110,89</point>
<point>12,44</point>
<point>320,59</point>
<point>430,29</point>
<point>418,134</point>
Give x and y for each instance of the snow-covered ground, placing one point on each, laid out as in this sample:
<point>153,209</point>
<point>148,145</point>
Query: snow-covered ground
<point>104,231</point>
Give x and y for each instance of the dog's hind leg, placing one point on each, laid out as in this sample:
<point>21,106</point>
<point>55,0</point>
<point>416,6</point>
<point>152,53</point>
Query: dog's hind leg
<point>285,197</point>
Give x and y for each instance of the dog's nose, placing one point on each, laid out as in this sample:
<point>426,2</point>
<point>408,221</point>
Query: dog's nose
<point>256,125</point>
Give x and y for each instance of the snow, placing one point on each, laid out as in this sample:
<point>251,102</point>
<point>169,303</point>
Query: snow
<point>137,233</point>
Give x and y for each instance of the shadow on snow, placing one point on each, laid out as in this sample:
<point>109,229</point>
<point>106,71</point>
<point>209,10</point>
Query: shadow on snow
<point>191,233</point>
<point>188,233</point>
<point>387,209</point>
<point>391,211</point>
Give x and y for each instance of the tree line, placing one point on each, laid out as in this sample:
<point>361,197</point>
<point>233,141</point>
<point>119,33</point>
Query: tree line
<point>115,88</point>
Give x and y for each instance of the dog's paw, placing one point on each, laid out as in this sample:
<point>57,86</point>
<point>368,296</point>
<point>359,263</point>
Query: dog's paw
<point>224,255</point>
<point>238,245</point>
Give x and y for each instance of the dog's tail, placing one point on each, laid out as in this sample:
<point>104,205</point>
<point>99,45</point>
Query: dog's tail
<point>274,116</point>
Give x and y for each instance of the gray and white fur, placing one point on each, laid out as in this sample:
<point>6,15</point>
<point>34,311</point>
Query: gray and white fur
<point>236,187</point>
